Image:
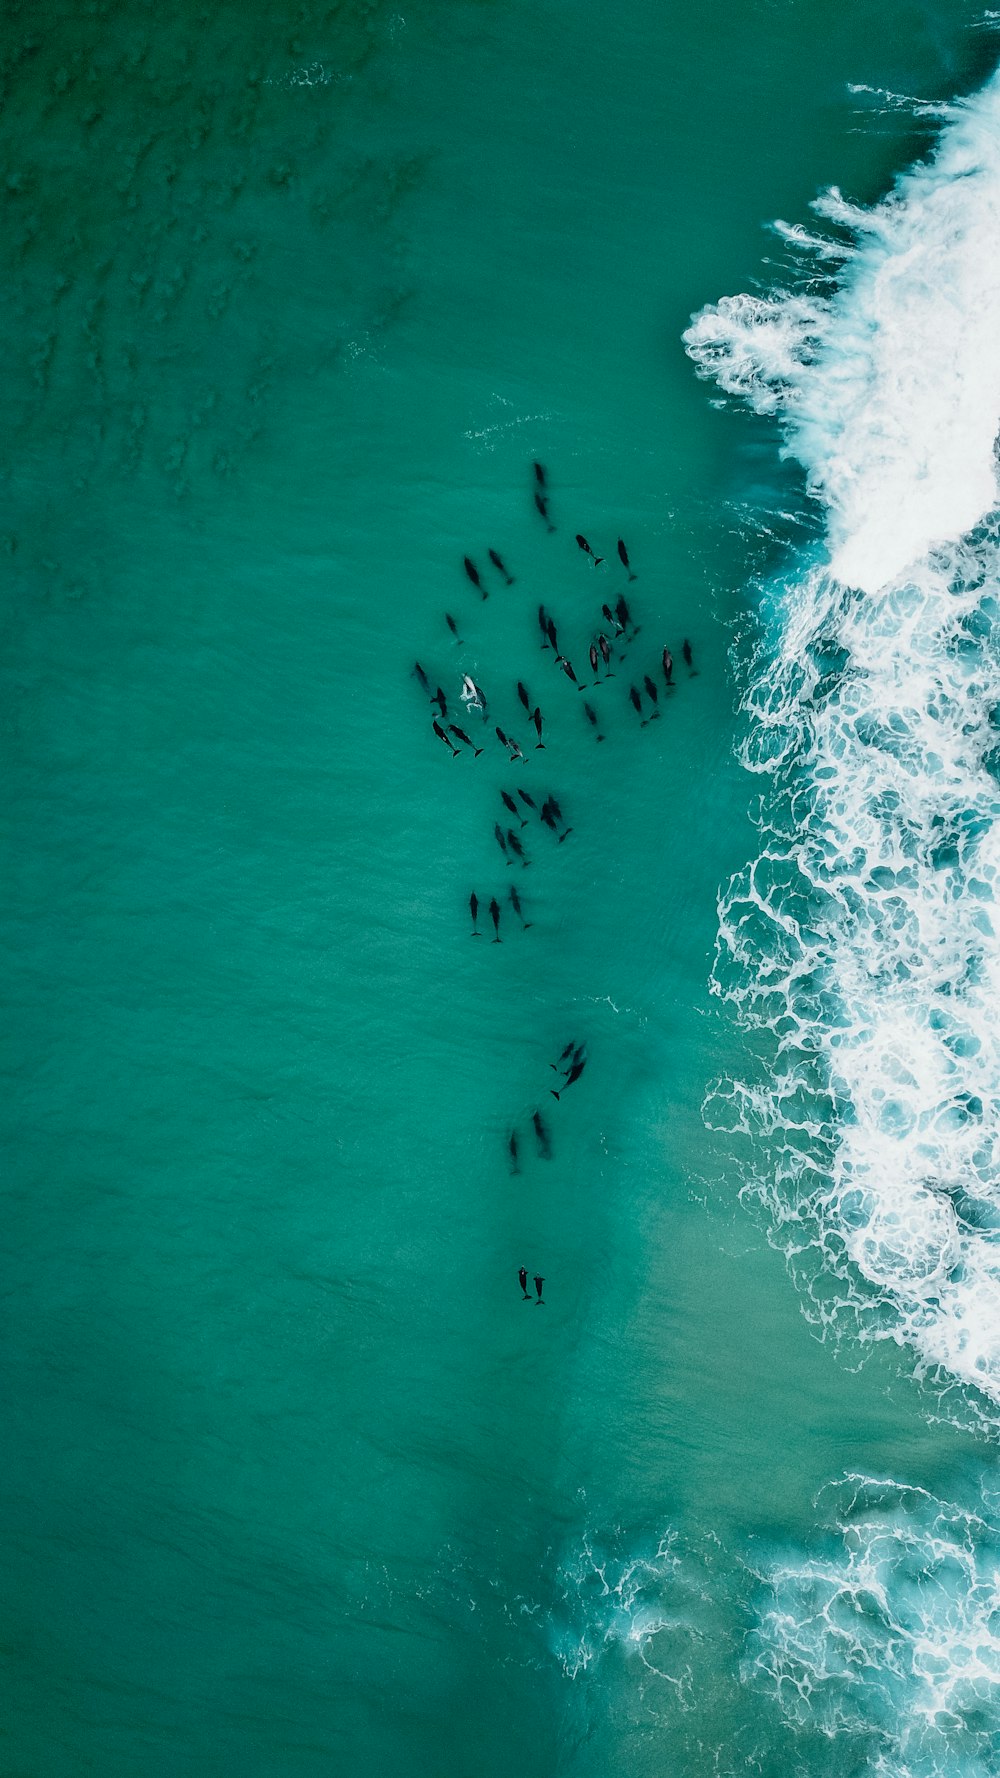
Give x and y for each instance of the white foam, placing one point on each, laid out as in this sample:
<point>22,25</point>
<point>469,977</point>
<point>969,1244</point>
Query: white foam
<point>892,1639</point>
<point>865,937</point>
<point>890,390</point>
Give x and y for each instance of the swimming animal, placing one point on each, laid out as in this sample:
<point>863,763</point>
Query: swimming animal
<point>568,1051</point>
<point>686,652</point>
<point>472,695</point>
<point>540,474</point>
<point>668,665</point>
<point>542,504</point>
<point>536,717</point>
<point>543,625</point>
<point>550,630</point>
<point>501,736</point>
<point>495,917</point>
<point>651,689</point>
<point>473,572</point>
<point>460,732</point>
<point>439,731</point>
<point>522,1278</point>
<point>517,848</point>
<point>474,911</point>
<point>515,902</point>
<point>498,835</point>
<point>593,661</point>
<point>622,611</point>
<point>635,699</point>
<point>497,563</point>
<point>591,715</point>
<point>585,546</point>
<point>422,679</point>
<point>539,1281</point>
<point>605,648</point>
<point>623,558</point>
<point>542,1136</point>
<point>509,803</point>
<point>573,1075</point>
<point>523,695</point>
<point>607,613</point>
<point>567,667</point>
<point>453,627</point>
<point>525,798</point>
<point>440,699</point>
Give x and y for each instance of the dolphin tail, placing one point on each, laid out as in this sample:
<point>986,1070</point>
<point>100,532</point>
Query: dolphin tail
<point>552,1090</point>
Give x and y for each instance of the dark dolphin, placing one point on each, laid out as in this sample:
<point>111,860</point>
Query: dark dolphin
<point>497,563</point>
<point>585,546</point>
<point>623,558</point>
<point>515,902</point>
<point>460,732</point>
<point>474,911</point>
<point>591,715</point>
<point>495,917</point>
<point>517,848</point>
<point>573,1075</point>
<point>439,731</point>
<point>473,572</point>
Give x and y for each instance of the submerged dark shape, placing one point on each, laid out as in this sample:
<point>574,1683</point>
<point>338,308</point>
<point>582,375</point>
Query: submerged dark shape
<point>539,1281</point>
<point>623,558</point>
<point>515,902</point>
<point>539,469</point>
<point>536,717</point>
<point>453,627</point>
<point>591,715</point>
<point>421,677</point>
<point>543,506</point>
<point>522,1278</point>
<point>495,917</point>
<point>522,693</point>
<point>542,1136</point>
<point>498,563</point>
<point>517,848</point>
<point>686,652</point>
<point>668,665</point>
<point>585,546</point>
<point>498,835</point>
<point>474,911</point>
<point>473,572</point>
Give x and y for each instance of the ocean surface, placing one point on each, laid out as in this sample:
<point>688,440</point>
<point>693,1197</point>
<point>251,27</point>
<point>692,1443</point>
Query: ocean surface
<point>294,1482</point>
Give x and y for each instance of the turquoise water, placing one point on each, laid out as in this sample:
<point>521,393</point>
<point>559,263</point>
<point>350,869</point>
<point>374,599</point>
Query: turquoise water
<point>293,1482</point>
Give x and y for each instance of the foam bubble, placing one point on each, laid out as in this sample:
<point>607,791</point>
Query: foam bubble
<point>891,1637</point>
<point>864,939</point>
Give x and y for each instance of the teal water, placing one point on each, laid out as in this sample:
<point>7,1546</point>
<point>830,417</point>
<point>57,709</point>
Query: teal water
<point>293,1480</point>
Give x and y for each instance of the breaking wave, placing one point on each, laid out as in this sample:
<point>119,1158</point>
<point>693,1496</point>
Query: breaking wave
<point>863,941</point>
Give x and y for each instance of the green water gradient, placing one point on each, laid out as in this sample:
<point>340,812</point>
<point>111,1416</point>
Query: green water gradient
<point>294,295</point>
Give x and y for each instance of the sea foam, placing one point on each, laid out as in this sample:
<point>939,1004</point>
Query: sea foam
<point>889,1639</point>
<point>864,938</point>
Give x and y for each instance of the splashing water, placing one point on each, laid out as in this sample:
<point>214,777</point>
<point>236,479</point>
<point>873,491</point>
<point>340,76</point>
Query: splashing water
<point>864,938</point>
<point>891,1640</point>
